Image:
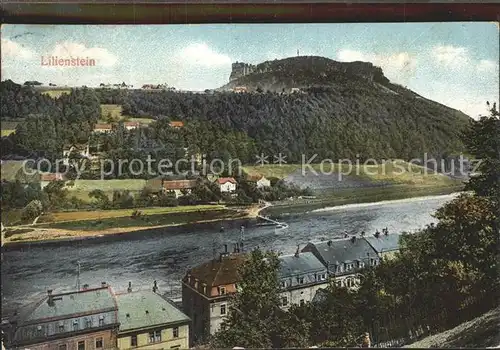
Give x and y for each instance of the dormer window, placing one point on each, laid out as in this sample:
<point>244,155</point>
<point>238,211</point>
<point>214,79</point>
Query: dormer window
<point>75,325</point>
<point>88,322</point>
<point>101,320</point>
<point>61,327</point>
<point>204,288</point>
<point>283,284</point>
<point>300,280</point>
<point>222,290</point>
<point>322,277</point>
<point>196,283</point>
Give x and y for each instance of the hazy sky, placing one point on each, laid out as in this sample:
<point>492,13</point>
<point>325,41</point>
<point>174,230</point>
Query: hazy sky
<point>453,63</point>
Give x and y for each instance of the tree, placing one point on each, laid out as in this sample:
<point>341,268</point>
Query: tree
<point>483,142</point>
<point>56,194</point>
<point>32,210</point>
<point>101,198</point>
<point>252,317</point>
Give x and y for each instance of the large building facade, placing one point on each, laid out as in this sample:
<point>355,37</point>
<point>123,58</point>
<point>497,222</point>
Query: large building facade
<point>206,293</point>
<point>149,321</point>
<point>82,320</point>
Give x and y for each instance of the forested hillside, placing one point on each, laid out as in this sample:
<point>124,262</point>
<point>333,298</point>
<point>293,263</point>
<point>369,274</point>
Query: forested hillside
<point>344,110</point>
<point>46,124</point>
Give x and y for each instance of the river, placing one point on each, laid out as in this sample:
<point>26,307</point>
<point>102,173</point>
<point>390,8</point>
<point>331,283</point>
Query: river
<point>28,272</point>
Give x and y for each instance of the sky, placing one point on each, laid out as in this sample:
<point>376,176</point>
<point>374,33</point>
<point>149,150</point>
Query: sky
<point>453,63</point>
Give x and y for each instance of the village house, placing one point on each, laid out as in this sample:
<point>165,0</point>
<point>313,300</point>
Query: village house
<point>149,321</point>
<point>226,184</point>
<point>386,245</point>
<point>301,275</point>
<point>179,187</point>
<point>80,320</point>
<point>176,124</point>
<point>240,89</point>
<point>207,290</point>
<point>81,150</point>
<point>103,128</point>
<point>260,181</point>
<point>343,258</point>
<point>46,178</point>
<point>131,125</point>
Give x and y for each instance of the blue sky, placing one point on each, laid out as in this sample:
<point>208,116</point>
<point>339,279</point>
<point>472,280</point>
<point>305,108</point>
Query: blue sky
<point>453,63</point>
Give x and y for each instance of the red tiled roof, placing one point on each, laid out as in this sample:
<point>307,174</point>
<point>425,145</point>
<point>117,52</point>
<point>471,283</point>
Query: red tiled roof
<point>176,124</point>
<point>254,178</point>
<point>219,272</point>
<point>102,126</point>
<point>51,176</point>
<point>223,180</point>
<point>132,124</point>
<point>179,184</point>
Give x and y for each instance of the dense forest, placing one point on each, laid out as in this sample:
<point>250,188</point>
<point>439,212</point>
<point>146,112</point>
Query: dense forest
<point>45,123</point>
<point>346,111</point>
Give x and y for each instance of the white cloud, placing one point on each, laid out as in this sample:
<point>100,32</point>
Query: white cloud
<point>102,56</point>
<point>199,54</point>
<point>396,66</point>
<point>12,49</point>
<point>487,66</point>
<point>451,56</point>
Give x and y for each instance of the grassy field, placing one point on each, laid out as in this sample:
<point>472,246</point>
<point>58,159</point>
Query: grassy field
<point>396,172</point>
<point>116,114</point>
<point>166,218</point>
<point>55,93</point>
<point>81,188</point>
<point>117,213</point>
<point>7,132</point>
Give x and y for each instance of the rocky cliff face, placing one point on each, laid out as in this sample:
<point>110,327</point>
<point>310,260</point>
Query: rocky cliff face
<point>302,71</point>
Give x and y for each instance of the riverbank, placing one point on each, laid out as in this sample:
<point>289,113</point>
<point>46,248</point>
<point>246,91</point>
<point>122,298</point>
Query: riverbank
<point>340,197</point>
<point>107,224</point>
<point>111,225</point>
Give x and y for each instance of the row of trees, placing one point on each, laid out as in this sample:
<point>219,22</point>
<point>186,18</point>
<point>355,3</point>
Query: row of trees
<point>443,275</point>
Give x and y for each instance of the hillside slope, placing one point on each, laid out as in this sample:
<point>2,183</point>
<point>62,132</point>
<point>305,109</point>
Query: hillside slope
<point>348,109</point>
<point>481,332</point>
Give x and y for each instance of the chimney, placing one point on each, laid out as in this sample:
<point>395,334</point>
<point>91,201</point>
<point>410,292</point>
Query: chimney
<point>297,251</point>
<point>50,300</point>
<point>104,284</point>
<point>225,248</point>
<point>155,287</point>
<point>362,233</point>
<point>353,239</point>
<point>85,286</point>
<point>330,243</point>
<point>129,289</point>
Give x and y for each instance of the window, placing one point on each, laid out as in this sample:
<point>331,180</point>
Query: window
<point>300,280</point>
<point>81,345</point>
<point>75,325</point>
<point>175,332</point>
<point>62,347</point>
<point>222,290</point>
<point>98,343</point>
<point>283,284</point>
<point>323,276</point>
<point>133,340</point>
<point>101,320</point>
<point>155,337</point>
<point>284,301</point>
<point>223,309</point>
<point>302,302</point>
<point>204,288</point>
<point>196,283</point>
<point>88,322</point>
<point>61,327</point>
